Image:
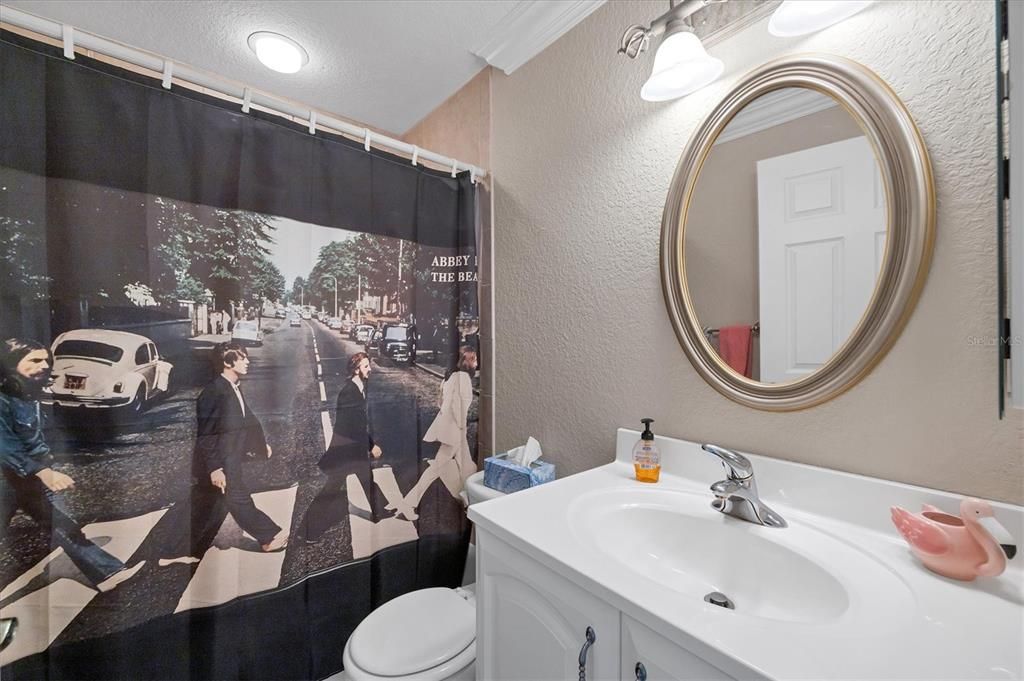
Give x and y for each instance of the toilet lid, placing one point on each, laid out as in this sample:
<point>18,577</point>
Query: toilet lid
<point>413,633</point>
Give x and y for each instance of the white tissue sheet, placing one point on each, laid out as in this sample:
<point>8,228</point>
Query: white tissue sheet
<point>525,454</point>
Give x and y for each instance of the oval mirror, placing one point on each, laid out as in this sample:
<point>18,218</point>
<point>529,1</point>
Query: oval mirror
<point>797,232</point>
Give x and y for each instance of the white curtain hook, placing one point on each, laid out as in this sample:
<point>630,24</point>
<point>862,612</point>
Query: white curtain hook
<point>455,167</point>
<point>168,73</point>
<point>366,138</point>
<point>68,33</point>
<point>246,100</point>
<point>312,122</point>
<point>472,175</point>
<point>415,154</point>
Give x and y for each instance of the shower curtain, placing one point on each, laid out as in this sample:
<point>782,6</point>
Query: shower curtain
<point>202,476</point>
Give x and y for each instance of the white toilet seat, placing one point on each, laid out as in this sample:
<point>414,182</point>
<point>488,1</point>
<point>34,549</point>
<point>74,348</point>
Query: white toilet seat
<point>439,626</point>
<point>459,667</point>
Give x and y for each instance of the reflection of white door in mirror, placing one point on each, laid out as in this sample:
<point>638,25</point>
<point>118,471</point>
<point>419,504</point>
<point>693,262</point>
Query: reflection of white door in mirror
<point>821,226</point>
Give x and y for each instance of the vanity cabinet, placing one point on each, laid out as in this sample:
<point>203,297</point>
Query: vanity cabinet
<point>532,622</point>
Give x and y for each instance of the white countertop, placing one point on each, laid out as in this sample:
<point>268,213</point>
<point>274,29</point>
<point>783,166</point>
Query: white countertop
<point>945,630</point>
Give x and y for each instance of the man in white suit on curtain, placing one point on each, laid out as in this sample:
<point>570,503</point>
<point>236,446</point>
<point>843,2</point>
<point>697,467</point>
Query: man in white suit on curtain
<point>454,462</point>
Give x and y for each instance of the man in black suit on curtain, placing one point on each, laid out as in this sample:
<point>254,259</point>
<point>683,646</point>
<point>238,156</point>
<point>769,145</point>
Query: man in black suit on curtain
<point>227,435</point>
<point>350,452</point>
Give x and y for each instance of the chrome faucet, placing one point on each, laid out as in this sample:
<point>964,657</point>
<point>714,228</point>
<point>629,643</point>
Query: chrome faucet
<point>737,494</point>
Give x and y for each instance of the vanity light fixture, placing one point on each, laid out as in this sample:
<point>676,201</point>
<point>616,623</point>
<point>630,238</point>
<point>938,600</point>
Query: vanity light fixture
<point>278,52</point>
<point>682,66</point>
<point>807,16</point>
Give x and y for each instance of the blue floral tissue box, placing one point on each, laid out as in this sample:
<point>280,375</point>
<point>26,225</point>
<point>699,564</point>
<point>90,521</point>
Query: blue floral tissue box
<point>504,476</point>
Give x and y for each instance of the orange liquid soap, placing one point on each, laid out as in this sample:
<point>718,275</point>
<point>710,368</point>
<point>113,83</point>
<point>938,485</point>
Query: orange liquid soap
<point>646,457</point>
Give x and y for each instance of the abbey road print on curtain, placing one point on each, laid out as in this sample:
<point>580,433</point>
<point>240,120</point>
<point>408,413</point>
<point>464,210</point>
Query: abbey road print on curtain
<point>222,369</point>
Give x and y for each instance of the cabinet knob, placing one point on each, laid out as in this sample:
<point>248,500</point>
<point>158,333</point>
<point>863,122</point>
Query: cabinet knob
<point>641,672</point>
<point>591,637</point>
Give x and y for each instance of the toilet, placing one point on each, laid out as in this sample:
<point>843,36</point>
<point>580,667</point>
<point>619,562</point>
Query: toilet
<point>436,627</point>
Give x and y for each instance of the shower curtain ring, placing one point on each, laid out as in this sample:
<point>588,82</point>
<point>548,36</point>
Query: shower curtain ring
<point>455,167</point>
<point>415,154</point>
<point>168,74</point>
<point>68,34</point>
<point>246,100</point>
<point>312,122</point>
<point>366,139</point>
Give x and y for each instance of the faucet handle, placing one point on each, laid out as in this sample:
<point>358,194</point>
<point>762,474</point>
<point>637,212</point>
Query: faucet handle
<point>723,489</point>
<point>737,466</point>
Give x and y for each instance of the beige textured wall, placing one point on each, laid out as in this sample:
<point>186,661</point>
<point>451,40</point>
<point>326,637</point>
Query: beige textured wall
<point>461,126</point>
<point>721,230</point>
<point>583,342</point>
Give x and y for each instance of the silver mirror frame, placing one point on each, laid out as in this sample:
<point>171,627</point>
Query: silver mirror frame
<point>910,218</point>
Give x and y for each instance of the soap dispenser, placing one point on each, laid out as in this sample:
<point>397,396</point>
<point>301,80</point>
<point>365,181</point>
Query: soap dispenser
<point>646,458</point>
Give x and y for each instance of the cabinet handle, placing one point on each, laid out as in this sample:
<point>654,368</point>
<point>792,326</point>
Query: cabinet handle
<point>591,637</point>
<point>641,672</point>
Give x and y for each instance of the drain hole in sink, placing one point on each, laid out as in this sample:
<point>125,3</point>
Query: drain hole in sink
<point>720,599</point>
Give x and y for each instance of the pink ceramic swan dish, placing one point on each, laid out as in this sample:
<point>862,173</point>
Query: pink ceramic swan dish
<point>960,548</point>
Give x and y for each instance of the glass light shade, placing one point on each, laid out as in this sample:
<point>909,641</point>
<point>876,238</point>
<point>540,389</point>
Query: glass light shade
<point>278,52</point>
<point>799,17</point>
<point>681,66</point>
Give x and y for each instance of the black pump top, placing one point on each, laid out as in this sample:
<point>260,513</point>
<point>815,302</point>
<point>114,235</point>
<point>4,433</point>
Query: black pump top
<point>647,434</point>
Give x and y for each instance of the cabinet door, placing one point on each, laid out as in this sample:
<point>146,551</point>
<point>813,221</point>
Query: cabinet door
<point>531,623</point>
<point>661,659</point>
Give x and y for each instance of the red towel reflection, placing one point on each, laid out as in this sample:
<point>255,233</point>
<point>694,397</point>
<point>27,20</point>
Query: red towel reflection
<point>734,346</point>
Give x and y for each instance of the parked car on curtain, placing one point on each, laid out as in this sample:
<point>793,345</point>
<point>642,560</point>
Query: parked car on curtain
<point>395,342</point>
<point>360,333</point>
<point>247,332</point>
<point>334,324</point>
<point>294,320</point>
<point>104,369</point>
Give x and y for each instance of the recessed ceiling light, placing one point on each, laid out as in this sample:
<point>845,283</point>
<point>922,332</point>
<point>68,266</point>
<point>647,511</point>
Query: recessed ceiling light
<point>278,52</point>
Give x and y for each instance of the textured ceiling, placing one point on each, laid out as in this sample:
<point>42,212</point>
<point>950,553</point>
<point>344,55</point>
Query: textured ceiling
<point>386,63</point>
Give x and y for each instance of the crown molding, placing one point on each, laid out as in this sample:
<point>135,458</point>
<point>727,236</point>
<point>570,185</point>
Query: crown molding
<point>774,108</point>
<point>529,28</point>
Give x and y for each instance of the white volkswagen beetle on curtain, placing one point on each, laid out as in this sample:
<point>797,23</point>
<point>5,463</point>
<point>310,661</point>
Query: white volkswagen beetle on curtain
<point>100,368</point>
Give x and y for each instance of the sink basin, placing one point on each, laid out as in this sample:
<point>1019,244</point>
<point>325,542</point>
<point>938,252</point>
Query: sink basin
<point>675,540</point>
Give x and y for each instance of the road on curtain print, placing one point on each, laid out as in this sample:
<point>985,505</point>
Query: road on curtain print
<point>294,377</point>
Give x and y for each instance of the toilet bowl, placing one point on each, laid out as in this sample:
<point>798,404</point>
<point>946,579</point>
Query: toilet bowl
<point>424,635</point>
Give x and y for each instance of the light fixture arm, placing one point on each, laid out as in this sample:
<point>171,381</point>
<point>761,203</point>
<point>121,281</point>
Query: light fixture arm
<point>637,38</point>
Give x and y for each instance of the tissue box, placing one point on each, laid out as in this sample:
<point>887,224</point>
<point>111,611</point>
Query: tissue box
<point>504,476</point>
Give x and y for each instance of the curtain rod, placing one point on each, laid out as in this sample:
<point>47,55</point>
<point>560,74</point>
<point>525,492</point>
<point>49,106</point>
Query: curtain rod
<point>72,37</point>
